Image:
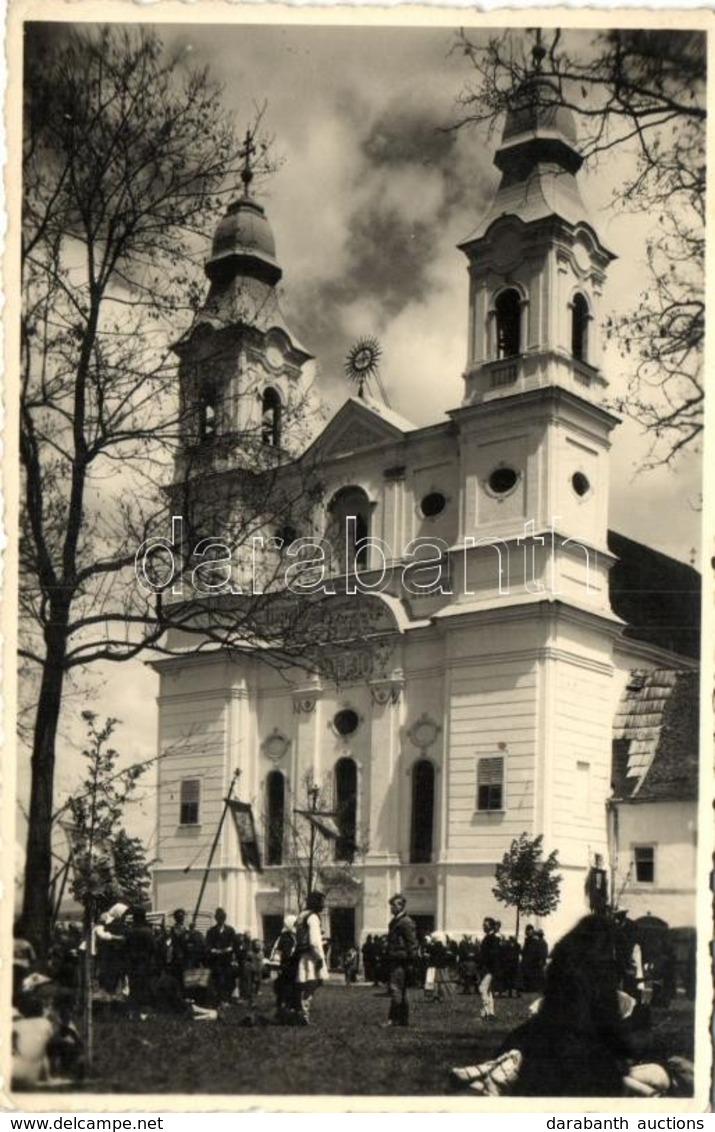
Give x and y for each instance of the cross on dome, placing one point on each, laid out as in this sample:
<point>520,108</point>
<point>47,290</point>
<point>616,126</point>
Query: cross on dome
<point>247,151</point>
<point>538,52</point>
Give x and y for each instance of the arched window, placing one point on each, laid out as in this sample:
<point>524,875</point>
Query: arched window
<point>275,817</point>
<point>350,527</point>
<point>208,414</point>
<point>508,316</point>
<point>579,328</point>
<point>346,808</point>
<point>271,418</point>
<point>421,832</point>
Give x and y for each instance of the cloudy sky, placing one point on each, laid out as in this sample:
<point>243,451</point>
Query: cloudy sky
<point>369,203</point>
<point>371,198</point>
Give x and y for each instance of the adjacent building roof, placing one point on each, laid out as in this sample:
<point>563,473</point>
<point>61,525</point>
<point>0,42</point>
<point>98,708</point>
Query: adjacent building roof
<point>655,738</point>
<point>657,597</point>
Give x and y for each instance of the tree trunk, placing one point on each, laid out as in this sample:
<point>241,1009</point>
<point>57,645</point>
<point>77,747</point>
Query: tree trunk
<point>36,906</point>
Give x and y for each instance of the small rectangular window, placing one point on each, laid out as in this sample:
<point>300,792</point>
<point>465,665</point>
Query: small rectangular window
<point>490,783</point>
<point>189,801</point>
<point>644,859</point>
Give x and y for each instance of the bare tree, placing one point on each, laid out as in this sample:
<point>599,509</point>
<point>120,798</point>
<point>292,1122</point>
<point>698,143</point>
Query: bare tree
<point>309,859</point>
<point>643,92</point>
<point>128,156</point>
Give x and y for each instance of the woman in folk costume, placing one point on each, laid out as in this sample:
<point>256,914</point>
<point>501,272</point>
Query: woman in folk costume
<point>110,939</point>
<point>284,959</point>
<point>310,956</point>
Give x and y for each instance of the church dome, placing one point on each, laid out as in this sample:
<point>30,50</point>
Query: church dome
<point>243,244</point>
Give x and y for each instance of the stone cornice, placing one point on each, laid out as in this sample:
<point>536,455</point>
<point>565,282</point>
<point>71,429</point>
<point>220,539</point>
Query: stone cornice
<point>546,396</point>
<point>528,608</point>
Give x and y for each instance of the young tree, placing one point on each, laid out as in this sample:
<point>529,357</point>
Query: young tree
<point>526,882</point>
<point>637,92</point>
<point>127,157</point>
<point>107,864</point>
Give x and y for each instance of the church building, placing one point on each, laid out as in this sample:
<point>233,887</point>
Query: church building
<point>484,626</point>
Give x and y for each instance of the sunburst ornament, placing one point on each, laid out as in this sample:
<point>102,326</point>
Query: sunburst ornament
<point>362,362</point>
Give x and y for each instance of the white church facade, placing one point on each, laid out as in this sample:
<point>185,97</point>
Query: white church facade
<point>480,702</point>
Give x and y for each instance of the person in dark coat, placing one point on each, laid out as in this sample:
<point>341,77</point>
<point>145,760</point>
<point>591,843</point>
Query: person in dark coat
<point>284,957</point>
<point>576,1045</point>
<point>142,961</point>
<point>542,955</point>
<point>251,975</point>
<point>469,964</point>
<point>401,954</point>
<point>596,887</point>
<point>368,959</point>
<point>350,965</point>
<point>531,979</point>
<point>220,943</point>
<point>510,959</point>
<point>179,947</point>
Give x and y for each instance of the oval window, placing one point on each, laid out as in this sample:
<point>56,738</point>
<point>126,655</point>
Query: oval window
<point>502,480</point>
<point>346,721</point>
<point>433,504</point>
<point>580,484</point>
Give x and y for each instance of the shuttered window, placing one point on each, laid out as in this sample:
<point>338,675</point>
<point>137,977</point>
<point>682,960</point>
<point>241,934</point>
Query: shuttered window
<point>189,803</point>
<point>490,783</point>
<point>644,858</point>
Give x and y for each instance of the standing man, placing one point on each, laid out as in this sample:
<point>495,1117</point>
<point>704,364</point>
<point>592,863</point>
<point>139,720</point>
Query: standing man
<point>310,955</point>
<point>220,942</point>
<point>597,887</point>
<point>401,954</point>
<point>489,954</point>
<point>179,947</point>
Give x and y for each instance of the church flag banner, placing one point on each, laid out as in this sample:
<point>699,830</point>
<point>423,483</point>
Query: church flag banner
<point>324,822</point>
<point>246,829</point>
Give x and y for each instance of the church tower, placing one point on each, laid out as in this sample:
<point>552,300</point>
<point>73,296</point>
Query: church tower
<point>533,382</point>
<point>241,368</point>
<point>530,632</point>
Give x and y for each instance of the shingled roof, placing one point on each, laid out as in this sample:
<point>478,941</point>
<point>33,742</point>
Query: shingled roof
<point>657,596</point>
<point>655,738</point>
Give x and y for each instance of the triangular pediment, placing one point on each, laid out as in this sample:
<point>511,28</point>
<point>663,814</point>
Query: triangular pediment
<point>357,425</point>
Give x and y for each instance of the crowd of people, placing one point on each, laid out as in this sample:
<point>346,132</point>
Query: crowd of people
<point>140,966</point>
<point>443,965</point>
<point>147,967</point>
<point>583,1034</point>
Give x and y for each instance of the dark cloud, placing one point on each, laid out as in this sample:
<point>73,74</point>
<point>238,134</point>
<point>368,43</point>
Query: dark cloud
<point>409,134</point>
<point>389,255</point>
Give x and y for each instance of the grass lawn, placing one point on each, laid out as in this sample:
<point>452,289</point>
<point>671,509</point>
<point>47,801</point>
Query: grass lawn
<point>344,1052</point>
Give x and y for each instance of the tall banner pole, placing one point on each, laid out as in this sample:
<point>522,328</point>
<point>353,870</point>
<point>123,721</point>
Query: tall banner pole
<point>311,856</point>
<point>207,870</point>
<point>87,1015</point>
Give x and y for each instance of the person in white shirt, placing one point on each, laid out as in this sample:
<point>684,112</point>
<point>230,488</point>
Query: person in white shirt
<point>310,955</point>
